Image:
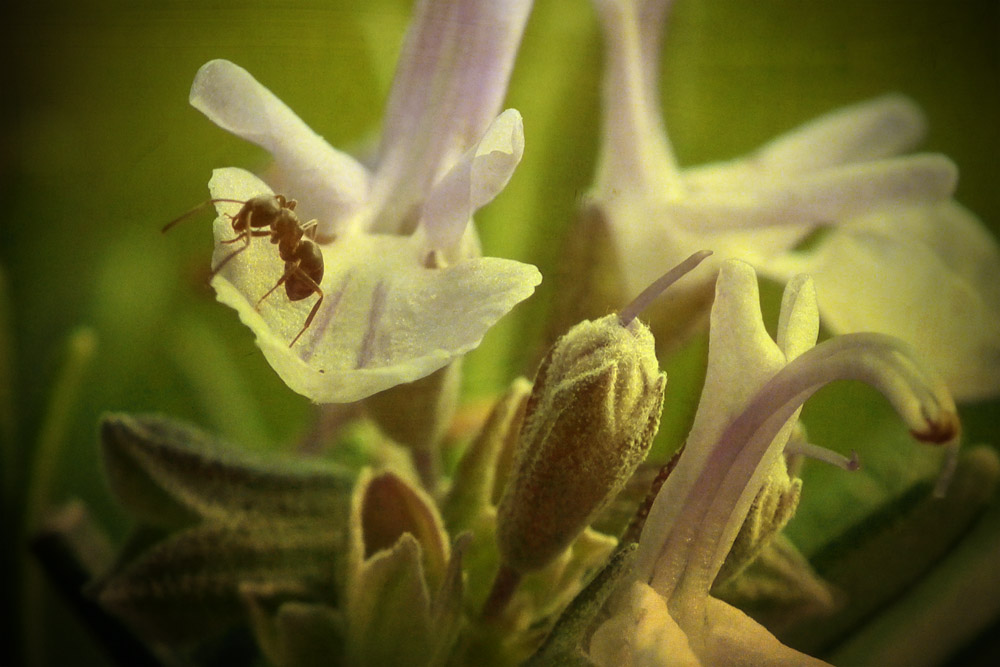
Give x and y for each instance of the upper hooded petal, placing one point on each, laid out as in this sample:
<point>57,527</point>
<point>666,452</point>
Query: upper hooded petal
<point>635,151</point>
<point>385,319</point>
<point>332,183</point>
<point>449,86</point>
<point>742,357</point>
<point>478,176</point>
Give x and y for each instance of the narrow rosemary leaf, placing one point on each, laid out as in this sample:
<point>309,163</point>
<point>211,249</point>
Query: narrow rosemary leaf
<point>190,585</point>
<point>882,556</point>
<point>169,474</point>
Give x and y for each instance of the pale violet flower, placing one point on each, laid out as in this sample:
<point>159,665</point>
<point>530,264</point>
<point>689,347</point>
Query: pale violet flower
<point>898,255</point>
<point>405,290</point>
<point>753,392</point>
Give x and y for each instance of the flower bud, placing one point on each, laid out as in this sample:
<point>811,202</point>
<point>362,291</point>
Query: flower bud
<point>589,422</point>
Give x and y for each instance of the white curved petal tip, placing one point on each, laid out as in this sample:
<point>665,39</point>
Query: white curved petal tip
<point>475,180</point>
<point>875,129</point>
<point>234,100</point>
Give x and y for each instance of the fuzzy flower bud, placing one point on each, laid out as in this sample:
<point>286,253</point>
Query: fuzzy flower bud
<point>590,420</point>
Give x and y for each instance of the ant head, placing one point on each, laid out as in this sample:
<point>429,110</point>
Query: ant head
<point>286,203</point>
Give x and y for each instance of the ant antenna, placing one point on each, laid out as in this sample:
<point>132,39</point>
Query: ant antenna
<point>189,213</point>
<point>648,295</point>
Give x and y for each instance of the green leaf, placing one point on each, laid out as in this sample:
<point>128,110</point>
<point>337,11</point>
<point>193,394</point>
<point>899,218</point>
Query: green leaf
<point>170,474</point>
<point>446,608</point>
<point>310,635</point>
<point>880,557</point>
<point>191,585</point>
<point>474,484</point>
<point>388,608</point>
<point>298,634</point>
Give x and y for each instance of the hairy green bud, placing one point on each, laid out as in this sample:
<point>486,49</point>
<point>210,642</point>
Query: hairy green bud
<point>590,420</point>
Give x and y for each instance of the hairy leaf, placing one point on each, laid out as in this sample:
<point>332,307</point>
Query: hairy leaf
<point>170,474</point>
<point>190,585</point>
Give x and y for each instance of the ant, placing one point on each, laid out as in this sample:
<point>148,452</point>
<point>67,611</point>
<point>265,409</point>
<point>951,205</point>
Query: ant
<point>274,216</point>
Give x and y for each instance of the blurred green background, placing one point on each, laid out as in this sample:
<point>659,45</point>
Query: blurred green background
<point>100,149</point>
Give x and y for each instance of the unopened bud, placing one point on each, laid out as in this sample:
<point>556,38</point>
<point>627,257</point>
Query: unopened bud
<point>593,411</point>
<point>589,422</point>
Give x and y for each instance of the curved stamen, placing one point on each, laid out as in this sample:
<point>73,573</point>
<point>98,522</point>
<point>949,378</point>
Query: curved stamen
<point>658,286</point>
<point>718,500</point>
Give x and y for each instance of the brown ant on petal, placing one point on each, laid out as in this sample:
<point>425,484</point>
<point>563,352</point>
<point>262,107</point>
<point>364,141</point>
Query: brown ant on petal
<point>274,216</point>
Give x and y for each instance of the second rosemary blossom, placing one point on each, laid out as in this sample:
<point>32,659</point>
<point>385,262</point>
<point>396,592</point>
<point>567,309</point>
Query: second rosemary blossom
<point>754,389</point>
<point>888,238</point>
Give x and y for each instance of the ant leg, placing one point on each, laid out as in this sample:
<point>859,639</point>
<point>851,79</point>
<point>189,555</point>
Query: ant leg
<point>225,260</point>
<point>309,229</point>
<point>245,237</point>
<point>315,308</point>
<point>281,281</point>
<point>309,319</point>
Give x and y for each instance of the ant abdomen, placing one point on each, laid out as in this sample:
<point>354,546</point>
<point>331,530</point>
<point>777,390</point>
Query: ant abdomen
<point>308,259</point>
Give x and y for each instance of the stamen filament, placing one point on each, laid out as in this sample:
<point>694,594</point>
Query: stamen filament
<point>720,496</point>
<point>658,286</point>
<point>947,469</point>
<point>823,454</point>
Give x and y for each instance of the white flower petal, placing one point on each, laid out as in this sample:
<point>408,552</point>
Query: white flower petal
<point>900,286</point>
<point>449,85</point>
<point>331,183</point>
<point>635,151</point>
<point>702,505</point>
<point>641,633</point>
<point>741,359</point>
<point>872,130</point>
<point>953,233</point>
<point>385,318</point>
<point>798,324</point>
<point>750,403</point>
<point>479,176</point>
<point>743,201</point>
<point>734,639</point>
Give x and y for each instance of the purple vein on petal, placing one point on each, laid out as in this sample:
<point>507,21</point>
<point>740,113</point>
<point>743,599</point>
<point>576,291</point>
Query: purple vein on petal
<point>328,312</point>
<point>374,316</point>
